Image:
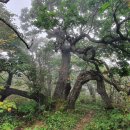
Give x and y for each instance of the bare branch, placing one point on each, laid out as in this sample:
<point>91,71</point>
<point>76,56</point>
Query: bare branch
<point>118,24</point>
<point>81,36</point>
<point>4,1</point>
<point>104,78</point>
<point>120,48</point>
<point>2,78</point>
<point>113,84</point>
<point>123,21</point>
<point>16,32</point>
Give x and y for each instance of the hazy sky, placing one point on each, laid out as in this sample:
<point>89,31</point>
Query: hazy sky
<point>15,7</point>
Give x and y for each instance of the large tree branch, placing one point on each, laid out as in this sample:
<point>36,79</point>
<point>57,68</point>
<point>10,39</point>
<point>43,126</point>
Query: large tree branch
<point>83,35</point>
<point>123,21</point>
<point>96,62</point>
<point>120,48</point>
<point>119,23</point>
<point>118,26</point>
<point>113,84</point>
<point>108,39</point>
<point>105,79</point>
<point>16,32</point>
<point>10,91</point>
<point>4,1</point>
<point>105,40</point>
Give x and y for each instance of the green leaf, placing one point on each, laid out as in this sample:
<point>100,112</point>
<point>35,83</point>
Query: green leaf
<point>1,110</point>
<point>104,7</point>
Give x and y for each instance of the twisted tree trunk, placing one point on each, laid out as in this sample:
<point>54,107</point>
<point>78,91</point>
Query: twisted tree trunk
<point>83,78</point>
<point>63,84</point>
<point>102,91</point>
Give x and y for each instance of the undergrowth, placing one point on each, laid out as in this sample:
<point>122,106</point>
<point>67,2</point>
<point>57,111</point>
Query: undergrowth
<point>109,120</point>
<point>28,117</point>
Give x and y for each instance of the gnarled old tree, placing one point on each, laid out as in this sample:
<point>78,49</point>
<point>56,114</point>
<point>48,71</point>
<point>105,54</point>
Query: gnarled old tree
<point>71,22</point>
<point>83,78</point>
<point>62,26</point>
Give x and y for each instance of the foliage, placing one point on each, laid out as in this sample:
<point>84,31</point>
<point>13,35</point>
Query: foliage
<point>51,120</point>
<point>7,106</point>
<point>2,88</point>
<point>73,18</point>
<point>63,120</point>
<point>8,122</point>
<point>109,120</point>
<point>28,107</point>
<point>103,119</point>
<point>46,19</point>
<point>36,128</point>
<point>7,126</point>
<point>49,19</point>
<point>123,69</point>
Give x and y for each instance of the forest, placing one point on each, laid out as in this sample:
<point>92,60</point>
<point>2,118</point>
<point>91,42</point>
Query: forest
<point>67,66</point>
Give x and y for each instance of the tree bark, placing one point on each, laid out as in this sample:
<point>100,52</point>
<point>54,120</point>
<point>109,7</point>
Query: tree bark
<point>9,80</point>
<point>102,91</point>
<point>74,94</point>
<point>7,85</point>
<point>40,98</point>
<point>92,92</point>
<point>63,84</point>
<point>83,78</point>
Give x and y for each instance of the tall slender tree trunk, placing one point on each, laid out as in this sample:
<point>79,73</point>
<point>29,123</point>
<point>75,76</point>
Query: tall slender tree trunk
<point>49,83</point>
<point>92,92</point>
<point>102,91</point>
<point>63,84</point>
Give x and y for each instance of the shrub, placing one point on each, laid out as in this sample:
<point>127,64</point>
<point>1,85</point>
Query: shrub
<point>7,126</point>
<point>7,106</point>
<point>110,120</point>
<point>8,122</point>
<point>27,107</point>
<point>61,120</point>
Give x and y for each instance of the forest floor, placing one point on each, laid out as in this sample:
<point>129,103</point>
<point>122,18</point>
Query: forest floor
<point>80,125</point>
<point>27,119</point>
<point>84,121</point>
<point>86,116</point>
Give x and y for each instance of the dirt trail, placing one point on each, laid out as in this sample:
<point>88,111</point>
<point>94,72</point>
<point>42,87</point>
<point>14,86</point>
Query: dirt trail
<point>86,119</point>
<point>37,124</point>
